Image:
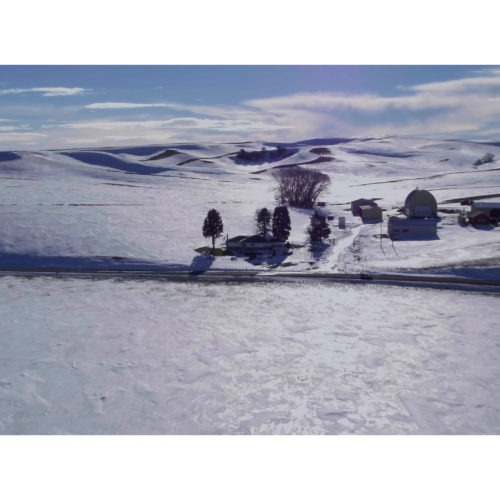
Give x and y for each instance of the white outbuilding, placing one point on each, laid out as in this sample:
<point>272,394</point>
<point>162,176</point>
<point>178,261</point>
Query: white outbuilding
<point>403,228</point>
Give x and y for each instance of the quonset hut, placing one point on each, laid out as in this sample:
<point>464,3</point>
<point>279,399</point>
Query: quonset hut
<point>420,204</point>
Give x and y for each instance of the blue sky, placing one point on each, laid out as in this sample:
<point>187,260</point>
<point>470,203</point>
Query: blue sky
<point>63,106</point>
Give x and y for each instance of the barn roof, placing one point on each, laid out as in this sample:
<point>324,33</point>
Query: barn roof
<point>421,193</point>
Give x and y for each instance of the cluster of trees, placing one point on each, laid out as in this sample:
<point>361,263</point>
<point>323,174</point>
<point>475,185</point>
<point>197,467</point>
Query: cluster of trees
<point>300,187</point>
<point>278,224</point>
<point>264,155</point>
<point>487,158</point>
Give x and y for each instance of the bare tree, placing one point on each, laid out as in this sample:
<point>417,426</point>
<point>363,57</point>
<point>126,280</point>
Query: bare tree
<point>300,187</point>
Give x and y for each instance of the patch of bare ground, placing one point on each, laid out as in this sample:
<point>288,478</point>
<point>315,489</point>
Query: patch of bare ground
<point>320,151</point>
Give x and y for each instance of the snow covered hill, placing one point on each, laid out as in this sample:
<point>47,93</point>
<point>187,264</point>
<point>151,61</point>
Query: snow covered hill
<point>145,205</point>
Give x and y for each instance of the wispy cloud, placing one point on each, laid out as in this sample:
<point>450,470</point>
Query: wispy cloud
<point>124,105</point>
<point>47,91</point>
<point>460,106</point>
<point>22,138</point>
<point>8,128</point>
<point>425,96</point>
<point>487,81</point>
<point>368,103</point>
<point>180,123</point>
<point>109,132</point>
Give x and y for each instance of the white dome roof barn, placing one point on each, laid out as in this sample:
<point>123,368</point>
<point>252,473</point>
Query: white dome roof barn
<point>420,204</point>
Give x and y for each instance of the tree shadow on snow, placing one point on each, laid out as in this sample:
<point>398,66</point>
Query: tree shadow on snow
<point>201,263</point>
<point>270,260</point>
<point>318,249</point>
<point>76,263</point>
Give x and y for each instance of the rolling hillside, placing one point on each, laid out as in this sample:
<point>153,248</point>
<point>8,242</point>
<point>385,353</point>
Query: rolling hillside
<point>145,205</point>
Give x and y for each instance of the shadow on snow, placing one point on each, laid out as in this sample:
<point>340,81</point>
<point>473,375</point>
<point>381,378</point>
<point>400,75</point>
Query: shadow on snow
<point>111,161</point>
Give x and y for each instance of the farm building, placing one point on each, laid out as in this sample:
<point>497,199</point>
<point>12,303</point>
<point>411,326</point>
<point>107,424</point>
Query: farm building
<point>256,245</point>
<point>369,212</point>
<point>488,208</point>
<point>420,204</point>
<point>362,202</point>
<point>400,228</point>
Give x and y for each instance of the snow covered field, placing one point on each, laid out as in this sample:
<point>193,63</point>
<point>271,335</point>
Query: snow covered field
<point>131,357</point>
<point>112,357</point>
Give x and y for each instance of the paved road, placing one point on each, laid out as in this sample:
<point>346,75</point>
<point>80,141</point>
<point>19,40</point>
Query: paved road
<point>427,281</point>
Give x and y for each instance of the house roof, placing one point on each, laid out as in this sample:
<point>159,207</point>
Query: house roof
<point>365,202</point>
<point>261,239</point>
<point>237,239</point>
<point>254,239</point>
<point>369,207</point>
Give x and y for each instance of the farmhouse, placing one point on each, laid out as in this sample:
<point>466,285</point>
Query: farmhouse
<point>420,204</point>
<point>400,228</point>
<point>254,245</point>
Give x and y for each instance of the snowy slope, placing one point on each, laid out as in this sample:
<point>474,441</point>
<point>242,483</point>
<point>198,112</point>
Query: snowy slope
<point>147,204</point>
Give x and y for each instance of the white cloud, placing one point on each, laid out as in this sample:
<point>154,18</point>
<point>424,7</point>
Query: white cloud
<point>482,83</point>
<point>124,105</point>
<point>47,91</point>
<point>109,132</point>
<point>4,128</point>
<point>182,123</point>
<point>24,138</point>
<point>369,103</point>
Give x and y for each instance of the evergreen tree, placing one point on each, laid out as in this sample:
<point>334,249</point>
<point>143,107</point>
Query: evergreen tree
<point>212,226</point>
<point>319,228</point>
<point>281,223</point>
<point>263,222</point>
